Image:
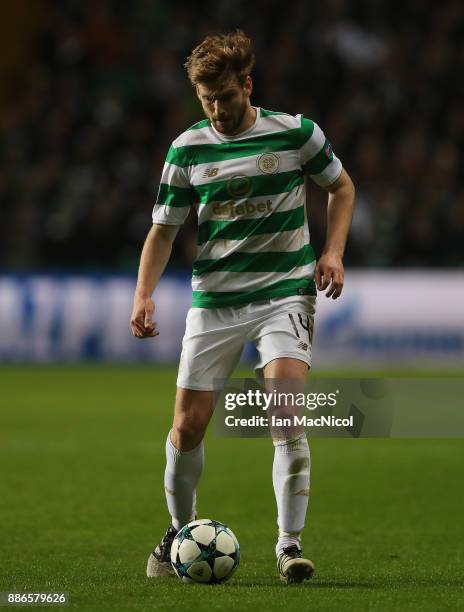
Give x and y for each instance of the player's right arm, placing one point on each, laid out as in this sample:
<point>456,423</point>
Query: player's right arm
<point>155,256</point>
<point>172,206</point>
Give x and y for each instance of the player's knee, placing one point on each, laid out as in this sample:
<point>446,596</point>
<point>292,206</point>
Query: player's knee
<point>186,433</point>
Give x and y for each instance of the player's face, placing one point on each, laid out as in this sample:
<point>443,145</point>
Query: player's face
<point>226,105</point>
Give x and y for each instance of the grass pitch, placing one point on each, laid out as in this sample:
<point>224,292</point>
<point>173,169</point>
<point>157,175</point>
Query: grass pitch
<point>82,504</point>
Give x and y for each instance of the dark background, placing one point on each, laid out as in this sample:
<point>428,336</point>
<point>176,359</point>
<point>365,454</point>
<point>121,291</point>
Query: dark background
<point>94,92</point>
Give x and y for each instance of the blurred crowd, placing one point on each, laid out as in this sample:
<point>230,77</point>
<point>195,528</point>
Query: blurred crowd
<point>105,92</point>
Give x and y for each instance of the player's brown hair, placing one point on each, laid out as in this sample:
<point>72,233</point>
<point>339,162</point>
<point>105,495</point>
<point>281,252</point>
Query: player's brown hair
<point>219,57</point>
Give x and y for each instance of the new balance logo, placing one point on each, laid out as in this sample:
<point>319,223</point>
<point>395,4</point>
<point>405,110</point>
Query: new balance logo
<point>302,345</point>
<point>210,172</point>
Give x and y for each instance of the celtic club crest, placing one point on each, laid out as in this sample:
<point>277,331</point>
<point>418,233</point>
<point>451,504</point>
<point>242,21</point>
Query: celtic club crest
<point>268,163</point>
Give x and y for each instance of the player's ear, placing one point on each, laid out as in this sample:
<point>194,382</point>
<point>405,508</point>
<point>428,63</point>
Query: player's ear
<point>198,92</point>
<point>248,85</point>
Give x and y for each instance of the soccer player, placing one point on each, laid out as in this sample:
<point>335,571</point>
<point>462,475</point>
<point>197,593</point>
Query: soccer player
<point>243,168</point>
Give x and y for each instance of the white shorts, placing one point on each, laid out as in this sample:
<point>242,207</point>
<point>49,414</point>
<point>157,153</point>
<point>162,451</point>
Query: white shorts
<point>214,338</point>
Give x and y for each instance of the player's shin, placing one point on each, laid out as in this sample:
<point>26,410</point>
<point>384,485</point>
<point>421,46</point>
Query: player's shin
<point>183,471</point>
<point>290,476</point>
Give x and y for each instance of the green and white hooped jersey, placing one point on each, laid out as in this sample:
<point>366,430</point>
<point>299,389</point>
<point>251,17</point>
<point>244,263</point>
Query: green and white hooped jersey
<point>249,193</point>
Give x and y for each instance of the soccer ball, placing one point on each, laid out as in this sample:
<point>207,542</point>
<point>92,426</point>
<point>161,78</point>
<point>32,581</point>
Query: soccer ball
<point>205,551</point>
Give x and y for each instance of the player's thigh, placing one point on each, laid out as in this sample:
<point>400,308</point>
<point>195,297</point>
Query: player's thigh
<point>211,348</point>
<point>286,367</point>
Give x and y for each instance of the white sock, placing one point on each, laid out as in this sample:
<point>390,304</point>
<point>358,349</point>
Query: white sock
<point>290,477</point>
<point>183,471</point>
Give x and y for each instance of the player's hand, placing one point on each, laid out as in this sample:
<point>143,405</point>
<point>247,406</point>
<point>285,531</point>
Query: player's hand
<point>141,322</point>
<point>330,271</point>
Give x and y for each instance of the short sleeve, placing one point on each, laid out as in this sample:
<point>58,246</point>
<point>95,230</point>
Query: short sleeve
<point>316,155</point>
<point>175,193</point>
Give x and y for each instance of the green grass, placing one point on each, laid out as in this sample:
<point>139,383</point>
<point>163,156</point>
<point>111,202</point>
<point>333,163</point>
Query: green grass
<point>82,504</point>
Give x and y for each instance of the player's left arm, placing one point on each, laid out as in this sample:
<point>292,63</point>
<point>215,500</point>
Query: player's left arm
<point>329,269</point>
